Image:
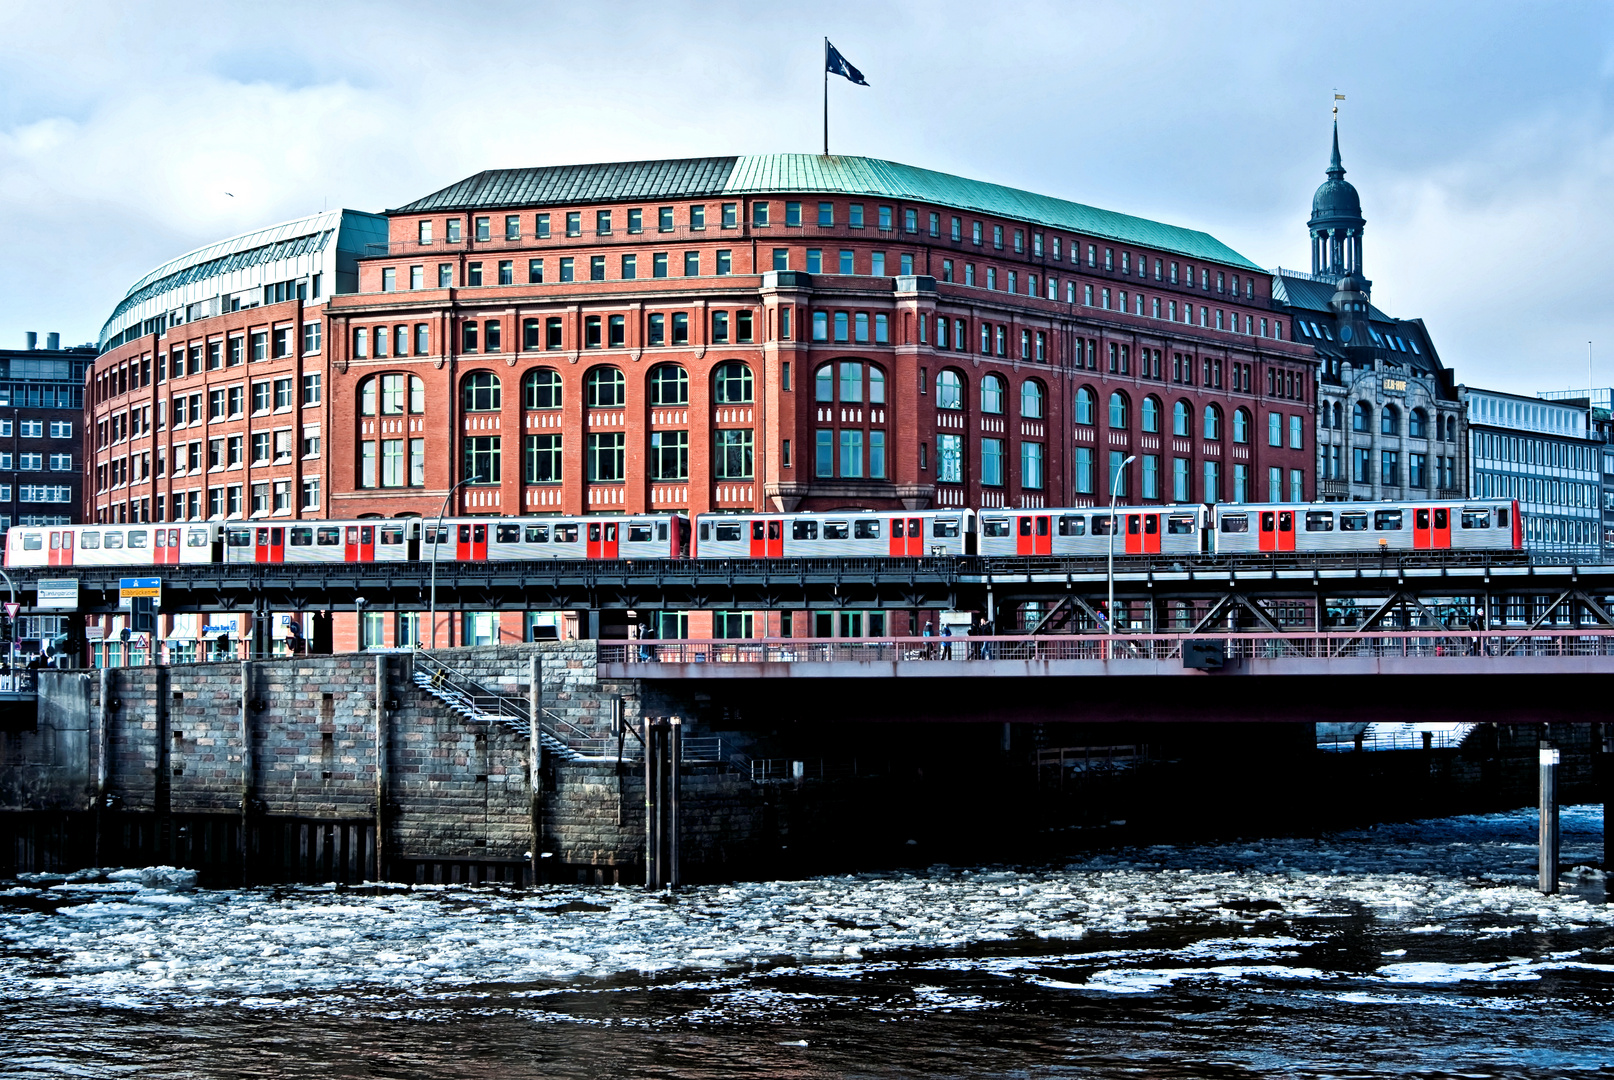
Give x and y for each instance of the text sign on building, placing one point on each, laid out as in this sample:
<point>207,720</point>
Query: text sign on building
<point>57,594</point>
<point>132,588</point>
<point>1395,385</point>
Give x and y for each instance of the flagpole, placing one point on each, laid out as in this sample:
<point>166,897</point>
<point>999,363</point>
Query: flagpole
<point>826,96</point>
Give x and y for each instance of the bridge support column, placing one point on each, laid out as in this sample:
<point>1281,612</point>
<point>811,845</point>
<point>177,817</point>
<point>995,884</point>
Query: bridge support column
<point>246,769</point>
<point>535,764</point>
<point>382,738</point>
<point>1547,832</point>
<point>675,750</point>
<point>1605,779</point>
<point>652,806</point>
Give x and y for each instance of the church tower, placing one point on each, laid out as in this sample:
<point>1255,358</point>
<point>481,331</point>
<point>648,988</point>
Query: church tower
<point>1336,223</point>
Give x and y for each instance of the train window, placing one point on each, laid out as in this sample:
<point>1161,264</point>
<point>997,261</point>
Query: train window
<point>263,538</point>
<point>537,534</point>
<point>565,534</point>
<point>162,538</point>
<point>1286,521</point>
<point>759,530</point>
<point>508,533</point>
<point>1071,525</point>
<point>995,527</point>
<point>1387,520</point>
<point>1133,525</point>
<point>1420,518</point>
<point>1442,518</point>
<point>233,537</point>
<point>835,530</point>
<point>1319,521</point>
<point>1235,523</point>
<point>896,528</point>
<point>392,534</point>
<point>729,531</point>
<point>1025,526</point>
<point>1180,525</point>
<point>331,536</point>
<point>137,538</point>
<point>804,530</point>
<point>90,540</point>
<point>33,541</point>
<point>1266,521</point>
<point>1042,526</point>
<point>1353,522</point>
<point>1151,523</point>
<point>114,539</point>
<point>944,527</point>
<point>196,538</point>
<point>1501,517</point>
<point>1476,518</point>
<point>1103,524</point>
<point>706,531</point>
<point>465,535</point>
<point>302,536</point>
<point>639,534</point>
<point>661,530</point>
<point>866,529</point>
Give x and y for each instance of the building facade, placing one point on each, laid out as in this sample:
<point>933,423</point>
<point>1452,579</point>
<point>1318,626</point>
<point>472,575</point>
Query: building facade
<point>796,332</point>
<point>41,429</point>
<point>1388,416</point>
<point>207,400</point>
<point>1544,454</point>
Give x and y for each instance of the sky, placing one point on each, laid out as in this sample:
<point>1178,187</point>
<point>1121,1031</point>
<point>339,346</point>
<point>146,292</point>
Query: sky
<point>1480,136</point>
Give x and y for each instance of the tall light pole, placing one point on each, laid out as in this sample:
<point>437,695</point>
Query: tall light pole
<point>437,532</point>
<point>1115,487</point>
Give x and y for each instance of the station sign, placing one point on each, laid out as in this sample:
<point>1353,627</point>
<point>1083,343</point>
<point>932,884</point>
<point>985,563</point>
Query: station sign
<point>139,588</point>
<point>57,594</point>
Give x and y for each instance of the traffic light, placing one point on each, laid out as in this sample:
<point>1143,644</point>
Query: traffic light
<point>6,628</point>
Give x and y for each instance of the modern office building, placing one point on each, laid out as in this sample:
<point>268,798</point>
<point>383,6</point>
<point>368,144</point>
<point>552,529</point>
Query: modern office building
<point>41,418</point>
<point>1388,416</point>
<point>1545,454</point>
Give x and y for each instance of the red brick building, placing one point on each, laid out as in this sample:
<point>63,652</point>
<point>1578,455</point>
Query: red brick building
<point>801,332</point>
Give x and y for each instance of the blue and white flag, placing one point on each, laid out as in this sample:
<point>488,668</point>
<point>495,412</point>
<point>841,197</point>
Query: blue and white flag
<point>836,64</point>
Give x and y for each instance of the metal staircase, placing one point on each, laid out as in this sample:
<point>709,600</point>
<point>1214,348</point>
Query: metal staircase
<point>472,700</point>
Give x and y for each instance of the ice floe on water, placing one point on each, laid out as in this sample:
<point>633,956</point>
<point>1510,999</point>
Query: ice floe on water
<point>1131,921</point>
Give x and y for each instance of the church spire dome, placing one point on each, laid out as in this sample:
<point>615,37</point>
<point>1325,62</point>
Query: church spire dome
<point>1336,222</point>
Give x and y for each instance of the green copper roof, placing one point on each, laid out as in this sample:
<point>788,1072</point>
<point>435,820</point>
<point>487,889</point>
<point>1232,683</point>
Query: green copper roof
<point>811,173</point>
<point>808,174</point>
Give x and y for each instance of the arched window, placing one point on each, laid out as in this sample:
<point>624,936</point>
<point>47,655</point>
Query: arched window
<point>392,395</point>
<point>1085,406</point>
<point>669,385</point>
<point>367,397</point>
<point>1417,424</point>
<point>480,391</point>
<point>1149,418</point>
<point>1213,422</point>
<point>1451,429</point>
<point>1031,400</point>
<point>733,383</point>
<point>1241,426</point>
<point>541,389</point>
<point>607,389</point>
<point>1118,410</point>
<point>1338,415</point>
<point>991,394</point>
<point>949,390</point>
<point>1362,417</point>
<point>1181,419</point>
<point>876,386</point>
<point>824,384</point>
<point>417,394</point>
<point>1389,421</point>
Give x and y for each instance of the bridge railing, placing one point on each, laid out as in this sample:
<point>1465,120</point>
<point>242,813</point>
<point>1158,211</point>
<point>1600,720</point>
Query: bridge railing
<point>1297,645</point>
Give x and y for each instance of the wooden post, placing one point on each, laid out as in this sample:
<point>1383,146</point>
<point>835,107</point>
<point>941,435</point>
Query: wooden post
<point>246,766</point>
<point>163,791</point>
<point>650,807</point>
<point>1547,833</point>
<point>381,746</point>
<point>675,749</point>
<point>1606,776</point>
<point>535,762</point>
<point>103,740</point>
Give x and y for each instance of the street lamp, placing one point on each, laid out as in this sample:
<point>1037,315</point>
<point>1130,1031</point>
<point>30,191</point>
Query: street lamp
<point>358,608</point>
<point>437,532</point>
<point>1115,488</point>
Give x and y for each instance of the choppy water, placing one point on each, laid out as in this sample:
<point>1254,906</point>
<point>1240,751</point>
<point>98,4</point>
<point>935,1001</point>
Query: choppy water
<point>1410,950</point>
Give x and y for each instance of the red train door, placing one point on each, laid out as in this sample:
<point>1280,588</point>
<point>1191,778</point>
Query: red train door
<point>1268,538</point>
<point>270,544</point>
<point>165,546</point>
<point>1431,528</point>
<point>473,543</point>
<point>1033,535</point>
<point>1421,539</point>
<point>602,540</point>
<point>1132,526</point>
<point>767,539</point>
<point>360,543</point>
<point>1151,534</point>
<point>907,536</point>
<point>61,548</point>
<point>1286,530</point>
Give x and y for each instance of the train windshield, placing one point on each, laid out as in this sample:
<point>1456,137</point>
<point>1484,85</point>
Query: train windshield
<point>33,541</point>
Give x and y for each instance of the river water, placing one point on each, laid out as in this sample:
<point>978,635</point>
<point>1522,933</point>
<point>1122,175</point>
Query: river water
<point>1419,949</point>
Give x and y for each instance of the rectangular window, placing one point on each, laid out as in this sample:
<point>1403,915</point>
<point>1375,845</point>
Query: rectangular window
<point>877,455</point>
<point>824,464</point>
<point>733,452</point>
<point>596,268</point>
<point>473,274</point>
<point>846,262</point>
<point>1297,437</point>
<point>1151,476</point>
<point>877,264</point>
<point>720,327</point>
<point>851,453</point>
<point>568,269</point>
<point>759,214</point>
<point>445,275</point>
<point>481,459</point>
<point>1361,465</point>
<point>882,329</point>
<point>602,222</point>
<point>692,264</point>
<point>1274,429</point>
<point>389,279</point>
<point>658,264</point>
<point>636,220</point>
<point>1297,485</point>
<point>311,389</point>
<point>742,327</point>
<point>658,330</point>
<point>574,223</point>
<point>1390,468</point>
<point>1213,482</point>
<point>616,331</point>
<point>697,217</point>
<point>283,393</point>
<point>1274,485</point>
<point>664,219</point>
<point>543,459</point>
<point>630,267</point>
<point>1031,465</point>
<point>725,262</point>
<point>826,213</point>
<point>680,328</point>
<point>310,343</point>
<point>1083,464</point>
<point>507,272</point>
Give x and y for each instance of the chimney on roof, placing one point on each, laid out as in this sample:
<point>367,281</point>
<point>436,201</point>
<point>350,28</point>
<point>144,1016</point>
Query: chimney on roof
<point>53,341</point>
<point>33,340</point>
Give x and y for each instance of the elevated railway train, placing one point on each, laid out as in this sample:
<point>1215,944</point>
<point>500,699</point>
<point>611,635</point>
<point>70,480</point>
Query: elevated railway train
<point>1472,525</point>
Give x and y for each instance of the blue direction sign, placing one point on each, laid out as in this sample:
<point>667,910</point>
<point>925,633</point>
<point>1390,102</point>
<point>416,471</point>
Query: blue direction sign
<point>130,588</point>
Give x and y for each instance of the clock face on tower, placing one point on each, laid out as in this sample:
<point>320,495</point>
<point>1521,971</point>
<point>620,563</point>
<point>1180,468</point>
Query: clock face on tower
<point>1345,333</point>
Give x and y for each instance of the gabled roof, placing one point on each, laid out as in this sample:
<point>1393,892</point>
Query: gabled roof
<point>572,185</point>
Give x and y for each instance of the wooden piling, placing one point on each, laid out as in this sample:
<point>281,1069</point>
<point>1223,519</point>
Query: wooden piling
<point>246,767</point>
<point>650,808</point>
<point>381,744</point>
<point>535,763</point>
<point>675,747</point>
<point>103,750</point>
<point>1547,832</point>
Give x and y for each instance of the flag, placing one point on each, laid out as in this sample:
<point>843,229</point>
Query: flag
<point>836,64</point>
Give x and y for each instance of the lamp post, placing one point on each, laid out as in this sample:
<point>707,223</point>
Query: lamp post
<point>437,532</point>
<point>358,608</point>
<point>1115,488</point>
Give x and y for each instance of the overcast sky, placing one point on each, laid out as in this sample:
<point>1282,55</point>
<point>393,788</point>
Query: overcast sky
<point>1479,135</point>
